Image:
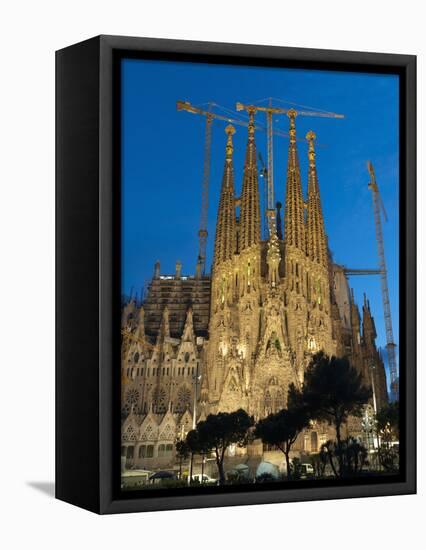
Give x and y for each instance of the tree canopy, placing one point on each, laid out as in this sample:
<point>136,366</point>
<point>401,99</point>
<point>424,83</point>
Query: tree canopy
<point>388,421</point>
<point>218,432</point>
<point>182,452</point>
<point>332,391</point>
<point>282,428</point>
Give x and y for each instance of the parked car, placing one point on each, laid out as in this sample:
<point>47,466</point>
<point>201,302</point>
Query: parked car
<point>131,479</point>
<point>307,470</point>
<point>198,478</point>
<point>162,475</point>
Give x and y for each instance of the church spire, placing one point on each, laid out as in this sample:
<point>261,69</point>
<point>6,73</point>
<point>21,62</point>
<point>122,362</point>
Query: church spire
<point>355,321</point>
<point>188,329</point>
<point>164,331</point>
<point>279,224</point>
<point>316,242</point>
<point>294,222</point>
<point>368,326</point>
<point>140,330</point>
<point>250,207</point>
<point>225,241</point>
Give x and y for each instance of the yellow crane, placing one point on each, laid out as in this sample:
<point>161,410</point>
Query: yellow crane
<point>390,344</point>
<point>270,111</point>
<point>351,272</point>
<point>210,116</point>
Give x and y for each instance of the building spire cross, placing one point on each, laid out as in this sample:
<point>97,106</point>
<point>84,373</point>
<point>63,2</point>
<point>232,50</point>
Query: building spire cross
<point>316,239</point>
<point>225,240</point>
<point>294,221</point>
<point>230,131</point>
<point>292,116</point>
<point>250,205</point>
<point>311,137</point>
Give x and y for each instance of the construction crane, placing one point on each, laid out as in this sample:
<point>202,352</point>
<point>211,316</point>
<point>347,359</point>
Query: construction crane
<point>263,173</point>
<point>210,116</point>
<point>270,111</point>
<point>202,232</point>
<point>350,272</point>
<point>390,344</point>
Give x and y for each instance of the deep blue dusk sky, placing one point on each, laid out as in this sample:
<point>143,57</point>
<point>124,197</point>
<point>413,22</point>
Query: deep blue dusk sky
<point>162,162</point>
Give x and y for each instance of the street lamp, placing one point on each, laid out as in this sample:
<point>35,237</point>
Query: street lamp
<point>372,368</point>
<point>197,378</point>
<point>368,427</point>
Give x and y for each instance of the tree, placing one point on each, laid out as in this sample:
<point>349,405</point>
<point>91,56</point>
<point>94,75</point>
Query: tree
<point>351,454</point>
<point>182,452</point>
<point>219,431</point>
<point>327,451</point>
<point>319,462</point>
<point>387,422</point>
<point>332,391</point>
<point>355,455</point>
<point>196,445</point>
<point>282,428</point>
<point>193,443</point>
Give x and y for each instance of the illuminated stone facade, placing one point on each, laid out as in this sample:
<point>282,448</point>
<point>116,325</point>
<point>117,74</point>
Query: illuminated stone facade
<point>239,337</point>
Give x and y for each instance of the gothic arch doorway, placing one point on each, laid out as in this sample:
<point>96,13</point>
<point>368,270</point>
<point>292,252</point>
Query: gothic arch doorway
<point>314,442</point>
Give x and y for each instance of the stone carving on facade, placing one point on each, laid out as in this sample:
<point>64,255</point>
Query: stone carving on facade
<point>240,336</point>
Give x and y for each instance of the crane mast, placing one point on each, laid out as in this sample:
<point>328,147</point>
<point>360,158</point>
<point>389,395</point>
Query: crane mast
<point>390,344</point>
<point>202,233</point>
<point>210,116</point>
<point>270,111</point>
<point>270,162</point>
<point>263,173</point>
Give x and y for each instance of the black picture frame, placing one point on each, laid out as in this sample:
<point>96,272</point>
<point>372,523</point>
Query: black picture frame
<point>88,269</point>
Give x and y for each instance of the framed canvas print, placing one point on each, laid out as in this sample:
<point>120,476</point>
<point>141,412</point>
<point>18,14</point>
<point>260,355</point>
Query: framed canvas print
<point>235,274</point>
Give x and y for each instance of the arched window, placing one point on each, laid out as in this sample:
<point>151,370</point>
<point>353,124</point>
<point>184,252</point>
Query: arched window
<point>187,355</point>
<point>161,450</point>
<point>142,451</point>
<point>233,386</point>
<point>130,451</point>
<point>159,400</point>
<point>314,442</point>
<point>149,451</point>
<point>279,401</point>
<point>132,398</point>
<point>268,402</point>
<point>136,357</point>
<point>183,400</point>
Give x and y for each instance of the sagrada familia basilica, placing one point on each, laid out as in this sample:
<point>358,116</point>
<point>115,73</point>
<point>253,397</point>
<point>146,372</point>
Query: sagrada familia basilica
<point>237,338</point>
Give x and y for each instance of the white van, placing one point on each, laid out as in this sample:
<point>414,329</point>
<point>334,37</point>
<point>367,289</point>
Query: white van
<point>198,478</point>
<point>307,470</point>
